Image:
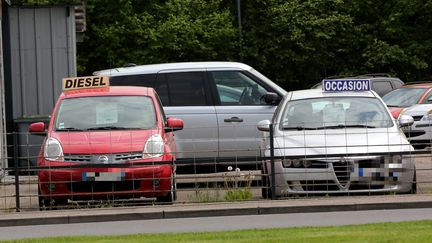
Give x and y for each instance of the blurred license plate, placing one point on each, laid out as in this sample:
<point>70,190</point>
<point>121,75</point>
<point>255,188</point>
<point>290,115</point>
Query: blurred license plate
<point>103,176</point>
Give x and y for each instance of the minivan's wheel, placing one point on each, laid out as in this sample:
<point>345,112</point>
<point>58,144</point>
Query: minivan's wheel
<point>172,195</point>
<point>414,183</point>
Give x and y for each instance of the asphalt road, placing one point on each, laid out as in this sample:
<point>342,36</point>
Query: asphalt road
<point>205,224</point>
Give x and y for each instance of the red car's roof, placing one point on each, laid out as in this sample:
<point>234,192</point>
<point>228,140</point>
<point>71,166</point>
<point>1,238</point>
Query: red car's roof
<point>108,91</point>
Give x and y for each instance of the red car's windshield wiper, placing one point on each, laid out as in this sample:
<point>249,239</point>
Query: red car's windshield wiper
<point>108,128</point>
<point>68,129</point>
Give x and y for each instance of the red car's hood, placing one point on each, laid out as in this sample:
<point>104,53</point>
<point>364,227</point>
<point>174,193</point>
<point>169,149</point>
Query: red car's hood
<point>395,111</point>
<point>103,142</point>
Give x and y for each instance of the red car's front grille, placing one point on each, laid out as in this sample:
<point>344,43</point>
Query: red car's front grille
<point>94,158</point>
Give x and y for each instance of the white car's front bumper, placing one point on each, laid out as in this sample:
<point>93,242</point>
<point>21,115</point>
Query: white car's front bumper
<point>370,174</point>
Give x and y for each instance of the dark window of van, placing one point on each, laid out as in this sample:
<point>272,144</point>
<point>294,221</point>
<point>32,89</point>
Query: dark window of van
<point>146,80</point>
<point>184,89</point>
<point>382,87</point>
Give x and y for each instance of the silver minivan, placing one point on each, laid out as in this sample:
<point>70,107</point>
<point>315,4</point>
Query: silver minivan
<point>219,102</point>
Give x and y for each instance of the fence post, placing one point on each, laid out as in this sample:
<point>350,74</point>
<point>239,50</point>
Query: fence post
<point>16,166</point>
<point>272,163</point>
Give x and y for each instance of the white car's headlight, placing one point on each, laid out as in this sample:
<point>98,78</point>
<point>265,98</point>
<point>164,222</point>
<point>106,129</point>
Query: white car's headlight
<point>154,147</point>
<point>53,150</point>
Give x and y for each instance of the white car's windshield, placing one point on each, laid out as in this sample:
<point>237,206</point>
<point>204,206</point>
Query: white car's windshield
<point>404,97</point>
<point>106,113</point>
<point>335,113</point>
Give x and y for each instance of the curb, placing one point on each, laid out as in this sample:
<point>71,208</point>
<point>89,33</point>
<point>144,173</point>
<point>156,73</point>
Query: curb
<point>69,217</point>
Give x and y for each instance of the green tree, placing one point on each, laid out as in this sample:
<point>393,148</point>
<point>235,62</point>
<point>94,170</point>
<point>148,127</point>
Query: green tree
<point>295,43</point>
<point>144,32</point>
<point>395,36</point>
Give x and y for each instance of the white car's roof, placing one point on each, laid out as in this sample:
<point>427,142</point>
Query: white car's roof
<point>155,68</point>
<point>318,93</point>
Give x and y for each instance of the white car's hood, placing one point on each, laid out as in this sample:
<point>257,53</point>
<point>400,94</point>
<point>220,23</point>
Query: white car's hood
<point>341,141</point>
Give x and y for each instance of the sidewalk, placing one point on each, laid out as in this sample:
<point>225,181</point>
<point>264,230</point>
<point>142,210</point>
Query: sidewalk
<point>187,210</point>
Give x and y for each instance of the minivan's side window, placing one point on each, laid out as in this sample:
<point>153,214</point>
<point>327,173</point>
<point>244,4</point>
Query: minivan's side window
<point>182,89</point>
<point>236,88</point>
<point>146,80</point>
<point>161,88</point>
<point>382,87</point>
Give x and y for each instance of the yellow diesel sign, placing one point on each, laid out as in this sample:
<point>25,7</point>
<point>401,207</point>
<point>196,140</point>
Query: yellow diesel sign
<point>85,82</point>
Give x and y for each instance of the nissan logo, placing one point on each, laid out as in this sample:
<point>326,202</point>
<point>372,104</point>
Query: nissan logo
<point>103,159</point>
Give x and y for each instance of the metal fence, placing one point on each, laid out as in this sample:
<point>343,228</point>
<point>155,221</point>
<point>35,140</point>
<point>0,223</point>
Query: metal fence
<point>124,179</point>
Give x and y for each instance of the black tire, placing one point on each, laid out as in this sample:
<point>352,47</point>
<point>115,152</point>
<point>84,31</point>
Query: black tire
<point>172,195</point>
<point>414,183</point>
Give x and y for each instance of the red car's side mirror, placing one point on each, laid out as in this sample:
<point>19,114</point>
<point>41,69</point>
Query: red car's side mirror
<point>174,124</point>
<point>37,128</point>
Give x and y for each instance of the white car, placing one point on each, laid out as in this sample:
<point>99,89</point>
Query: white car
<point>420,132</point>
<point>336,142</point>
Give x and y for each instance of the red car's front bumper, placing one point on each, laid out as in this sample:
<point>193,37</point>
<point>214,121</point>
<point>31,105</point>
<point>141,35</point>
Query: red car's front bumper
<point>104,183</point>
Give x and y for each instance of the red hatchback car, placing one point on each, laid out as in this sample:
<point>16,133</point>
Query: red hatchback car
<point>107,143</point>
<point>408,95</point>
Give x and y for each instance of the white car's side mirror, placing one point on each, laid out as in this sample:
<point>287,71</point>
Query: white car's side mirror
<point>405,120</point>
<point>264,126</point>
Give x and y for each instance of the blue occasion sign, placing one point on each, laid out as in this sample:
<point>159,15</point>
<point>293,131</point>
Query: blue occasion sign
<point>342,85</point>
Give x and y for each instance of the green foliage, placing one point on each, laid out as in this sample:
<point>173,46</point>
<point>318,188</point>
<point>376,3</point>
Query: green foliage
<point>45,2</point>
<point>238,195</point>
<point>295,43</point>
<point>206,194</point>
<point>145,32</point>
<point>237,185</point>
<point>298,40</point>
<point>415,231</point>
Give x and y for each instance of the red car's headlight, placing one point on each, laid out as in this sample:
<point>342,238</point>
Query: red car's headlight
<point>53,150</point>
<point>154,147</point>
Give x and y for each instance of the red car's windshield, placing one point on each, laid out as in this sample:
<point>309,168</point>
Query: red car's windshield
<point>404,97</point>
<point>106,113</point>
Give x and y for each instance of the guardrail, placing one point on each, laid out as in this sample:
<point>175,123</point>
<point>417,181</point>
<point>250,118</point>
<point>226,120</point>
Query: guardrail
<point>203,179</point>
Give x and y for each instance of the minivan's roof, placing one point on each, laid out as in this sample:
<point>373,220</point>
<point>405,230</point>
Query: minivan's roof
<point>156,68</point>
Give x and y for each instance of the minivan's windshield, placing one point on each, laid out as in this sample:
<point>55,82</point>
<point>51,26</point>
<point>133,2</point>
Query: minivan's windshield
<point>335,113</point>
<point>404,97</point>
<point>105,113</point>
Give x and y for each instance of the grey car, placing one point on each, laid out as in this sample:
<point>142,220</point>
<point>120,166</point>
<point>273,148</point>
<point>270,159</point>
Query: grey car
<point>219,102</point>
<point>382,83</point>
